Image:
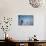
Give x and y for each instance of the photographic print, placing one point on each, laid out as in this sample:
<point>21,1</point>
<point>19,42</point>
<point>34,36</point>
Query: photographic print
<point>25,20</point>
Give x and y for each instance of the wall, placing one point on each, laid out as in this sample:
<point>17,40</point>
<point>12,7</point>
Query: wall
<point>45,29</point>
<point>12,8</point>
